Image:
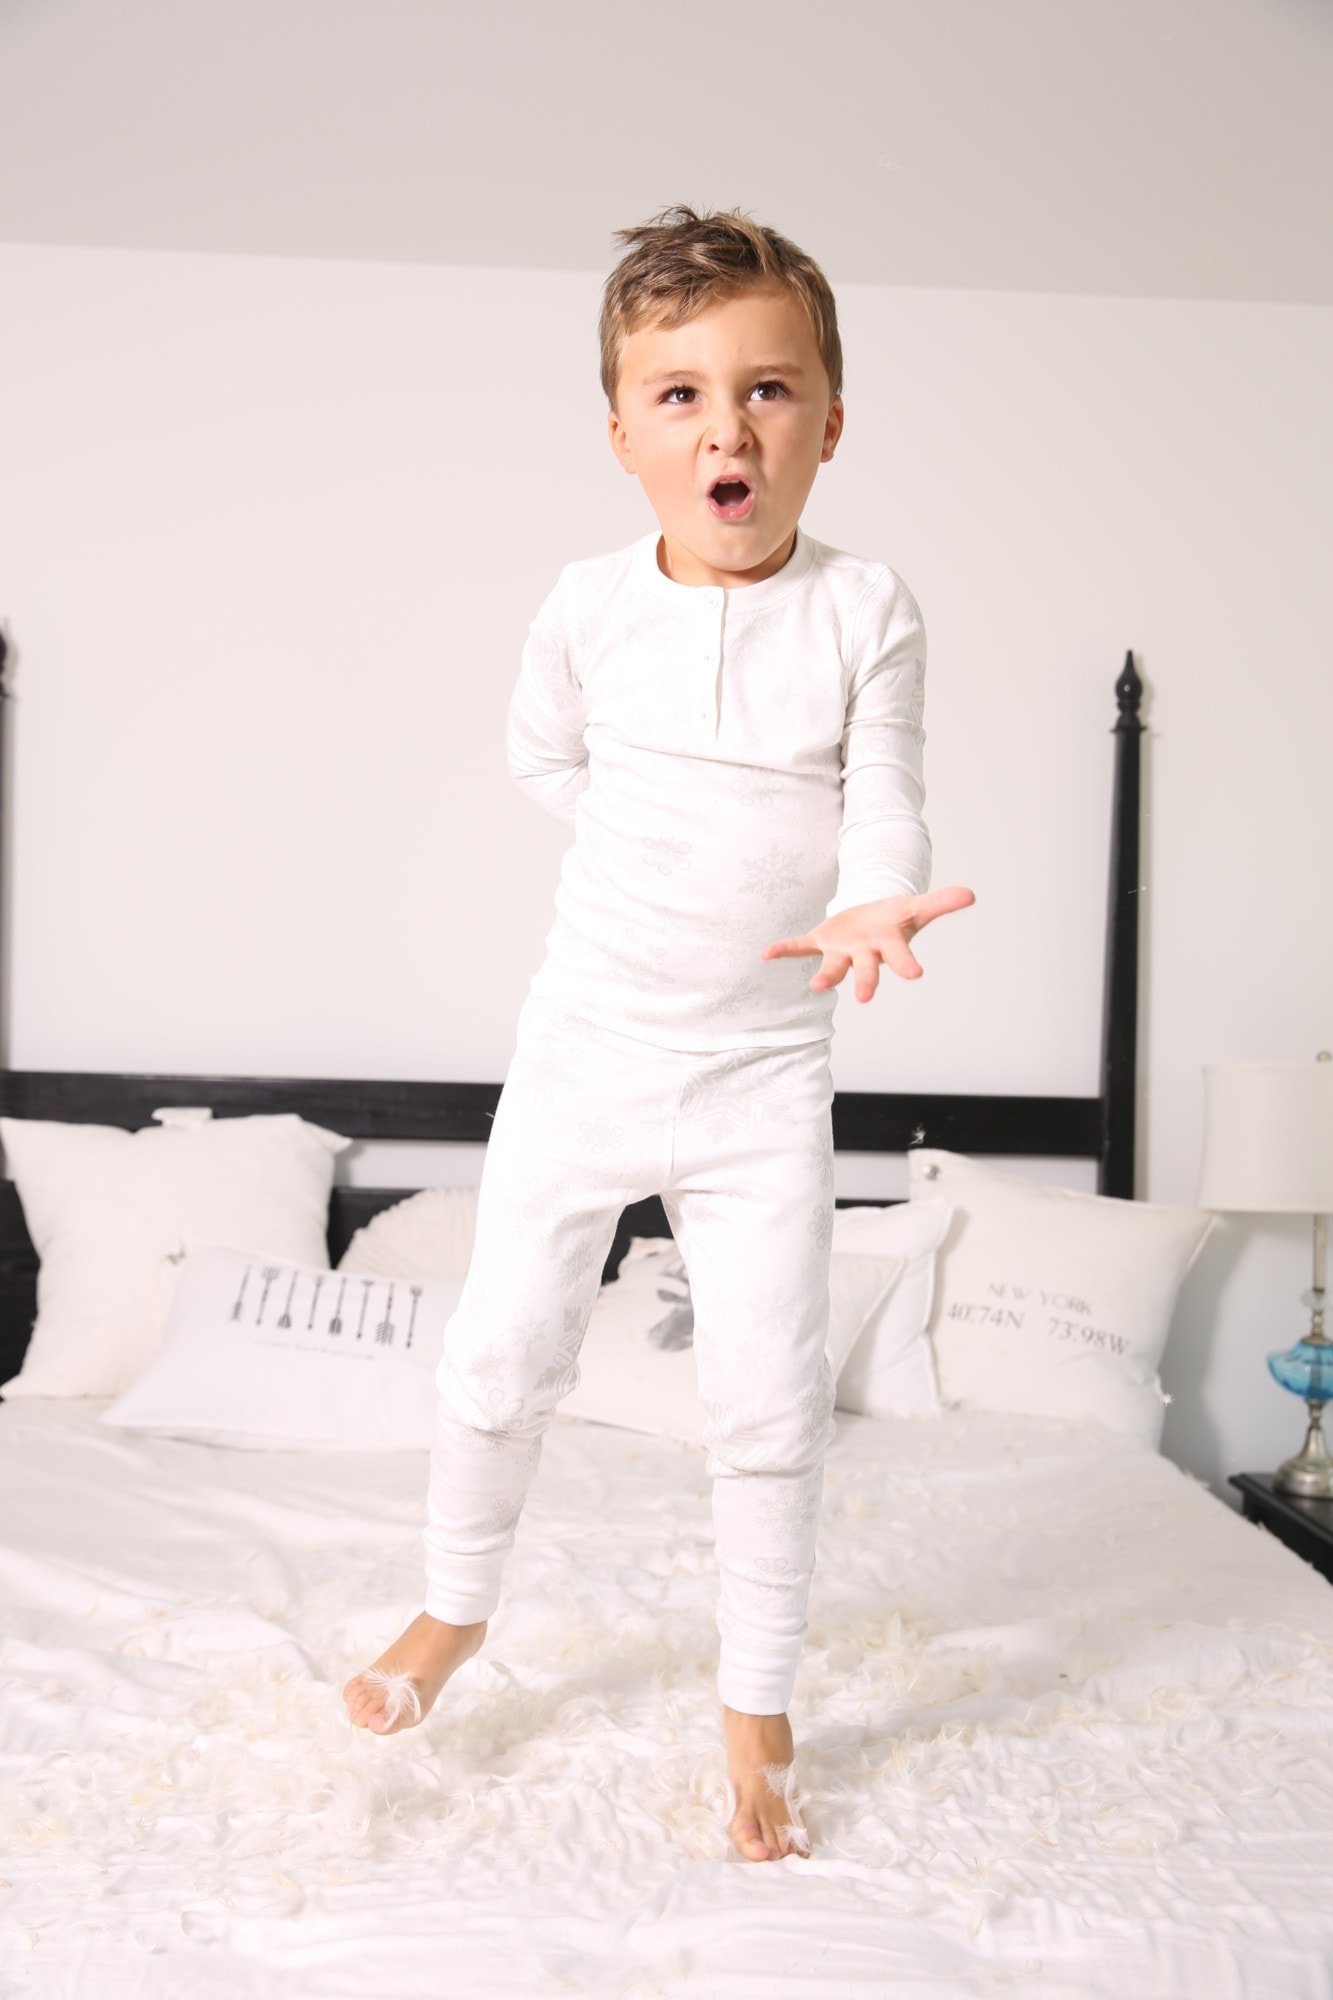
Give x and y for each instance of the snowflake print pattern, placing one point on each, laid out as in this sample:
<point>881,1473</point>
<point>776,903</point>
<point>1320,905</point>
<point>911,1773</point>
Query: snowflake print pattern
<point>773,871</point>
<point>543,1076</point>
<point>491,1380</point>
<point>819,1225</point>
<point>818,1157</point>
<point>723,938</point>
<point>741,1001</point>
<point>770,1310</point>
<point>599,1135</point>
<point>733,1093</point>
<point>755,785</point>
<point>645,960</point>
<point>916,696</point>
<point>792,1510</point>
<point>666,853</point>
<point>578,1261</point>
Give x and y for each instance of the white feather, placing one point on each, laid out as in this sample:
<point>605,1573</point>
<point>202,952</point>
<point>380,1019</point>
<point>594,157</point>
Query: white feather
<point>400,1694</point>
<point>780,1778</point>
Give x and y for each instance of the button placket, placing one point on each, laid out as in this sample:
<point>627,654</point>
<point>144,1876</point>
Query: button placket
<point>711,653</point>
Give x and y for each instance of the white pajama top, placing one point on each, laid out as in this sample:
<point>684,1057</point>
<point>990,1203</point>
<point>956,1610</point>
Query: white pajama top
<point>736,764</point>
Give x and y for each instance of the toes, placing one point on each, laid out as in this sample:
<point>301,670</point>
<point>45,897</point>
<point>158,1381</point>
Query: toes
<point>787,1832</point>
<point>773,1829</point>
<point>784,1839</point>
<point>382,1701</point>
<point>748,1838</point>
<point>372,1715</point>
<point>397,1696</point>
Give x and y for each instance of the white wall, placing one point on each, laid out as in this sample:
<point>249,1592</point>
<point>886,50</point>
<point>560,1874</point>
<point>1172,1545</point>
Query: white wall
<point>271,532</point>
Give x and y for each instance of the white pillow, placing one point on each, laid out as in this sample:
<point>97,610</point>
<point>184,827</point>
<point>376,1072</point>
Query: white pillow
<point>426,1235</point>
<point>890,1371</point>
<point>636,1365</point>
<point>103,1206</point>
<point>1052,1302</point>
<point>353,1367</point>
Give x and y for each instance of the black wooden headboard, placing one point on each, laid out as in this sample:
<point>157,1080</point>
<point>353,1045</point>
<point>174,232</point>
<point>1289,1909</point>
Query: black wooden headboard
<point>1099,1128</point>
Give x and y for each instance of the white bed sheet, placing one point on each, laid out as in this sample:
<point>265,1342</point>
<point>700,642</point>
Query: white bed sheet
<point>1063,1727</point>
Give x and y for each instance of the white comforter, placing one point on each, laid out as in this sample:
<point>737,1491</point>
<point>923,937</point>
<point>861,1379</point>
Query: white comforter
<point>1063,1728</point>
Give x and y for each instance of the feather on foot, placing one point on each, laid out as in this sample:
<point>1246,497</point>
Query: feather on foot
<point>400,1694</point>
<point>781,1778</point>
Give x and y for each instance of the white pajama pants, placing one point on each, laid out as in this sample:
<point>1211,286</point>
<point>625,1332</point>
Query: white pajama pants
<point>739,1145</point>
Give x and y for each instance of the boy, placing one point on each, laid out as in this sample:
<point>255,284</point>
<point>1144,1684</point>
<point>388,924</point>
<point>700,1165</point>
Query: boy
<point>729,715</point>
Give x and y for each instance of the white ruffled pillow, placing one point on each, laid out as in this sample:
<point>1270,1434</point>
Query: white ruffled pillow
<point>426,1235</point>
<point>258,1352</point>
<point>636,1366</point>
<point>1052,1302</point>
<point>103,1206</point>
<point>890,1372</point>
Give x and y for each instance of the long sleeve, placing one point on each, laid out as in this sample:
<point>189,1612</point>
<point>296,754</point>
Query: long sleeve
<point>544,732</point>
<point>884,846</point>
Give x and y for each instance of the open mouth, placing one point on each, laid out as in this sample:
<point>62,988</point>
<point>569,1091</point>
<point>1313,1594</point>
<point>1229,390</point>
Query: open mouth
<point>731,499</point>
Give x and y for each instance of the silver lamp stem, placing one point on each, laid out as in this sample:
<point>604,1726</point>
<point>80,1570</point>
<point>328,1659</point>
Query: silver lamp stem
<point>1310,1472</point>
<point>1317,1304</point>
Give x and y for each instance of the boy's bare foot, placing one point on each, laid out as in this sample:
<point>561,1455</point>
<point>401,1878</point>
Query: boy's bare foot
<point>398,1688</point>
<point>761,1785</point>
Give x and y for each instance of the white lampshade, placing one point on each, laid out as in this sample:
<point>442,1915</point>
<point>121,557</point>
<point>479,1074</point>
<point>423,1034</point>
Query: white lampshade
<point>1268,1137</point>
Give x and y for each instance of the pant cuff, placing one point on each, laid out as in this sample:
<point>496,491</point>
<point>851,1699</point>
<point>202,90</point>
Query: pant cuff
<point>755,1694</point>
<point>458,1608</point>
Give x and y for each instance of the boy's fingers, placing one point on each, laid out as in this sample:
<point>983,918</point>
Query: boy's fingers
<point>923,911</point>
<point>867,973</point>
<point>893,946</point>
<point>792,947</point>
<point>938,902</point>
<point>832,970</point>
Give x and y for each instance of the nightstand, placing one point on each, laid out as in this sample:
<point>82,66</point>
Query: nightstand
<point>1304,1525</point>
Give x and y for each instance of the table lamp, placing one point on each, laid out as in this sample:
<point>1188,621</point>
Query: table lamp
<point>1268,1149</point>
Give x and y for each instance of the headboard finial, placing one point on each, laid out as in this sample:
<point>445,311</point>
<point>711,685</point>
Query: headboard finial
<point>1128,694</point>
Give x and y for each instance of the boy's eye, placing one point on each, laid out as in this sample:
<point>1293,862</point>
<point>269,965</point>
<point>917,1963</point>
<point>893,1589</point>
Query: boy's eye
<point>684,389</point>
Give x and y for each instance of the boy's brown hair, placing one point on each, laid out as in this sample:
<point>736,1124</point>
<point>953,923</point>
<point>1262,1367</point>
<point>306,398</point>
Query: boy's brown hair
<point>682,262</point>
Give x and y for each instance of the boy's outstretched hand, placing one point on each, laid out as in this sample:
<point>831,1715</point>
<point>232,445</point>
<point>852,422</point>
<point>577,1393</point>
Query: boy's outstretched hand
<point>867,933</point>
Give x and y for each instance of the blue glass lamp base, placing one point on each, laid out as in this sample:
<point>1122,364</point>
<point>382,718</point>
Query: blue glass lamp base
<point>1307,1371</point>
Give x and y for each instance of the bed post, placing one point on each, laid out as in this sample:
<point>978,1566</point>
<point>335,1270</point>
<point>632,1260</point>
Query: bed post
<point>1115,1169</point>
<point>4,956</point>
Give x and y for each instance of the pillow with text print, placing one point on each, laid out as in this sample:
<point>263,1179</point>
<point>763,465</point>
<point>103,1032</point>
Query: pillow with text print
<point>636,1367</point>
<point>258,1352</point>
<point>1052,1302</point>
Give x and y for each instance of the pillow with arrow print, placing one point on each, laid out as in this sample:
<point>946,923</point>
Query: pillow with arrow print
<point>258,1352</point>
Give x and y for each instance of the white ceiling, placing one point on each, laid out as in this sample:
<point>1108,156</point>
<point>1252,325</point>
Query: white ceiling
<point>1173,148</point>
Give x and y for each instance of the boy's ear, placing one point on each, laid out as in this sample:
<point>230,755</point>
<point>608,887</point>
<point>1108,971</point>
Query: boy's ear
<point>620,444</point>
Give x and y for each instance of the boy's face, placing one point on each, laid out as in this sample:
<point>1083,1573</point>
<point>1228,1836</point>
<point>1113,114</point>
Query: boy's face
<point>741,389</point>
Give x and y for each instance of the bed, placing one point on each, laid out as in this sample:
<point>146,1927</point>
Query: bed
<point>1062,1719</point>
